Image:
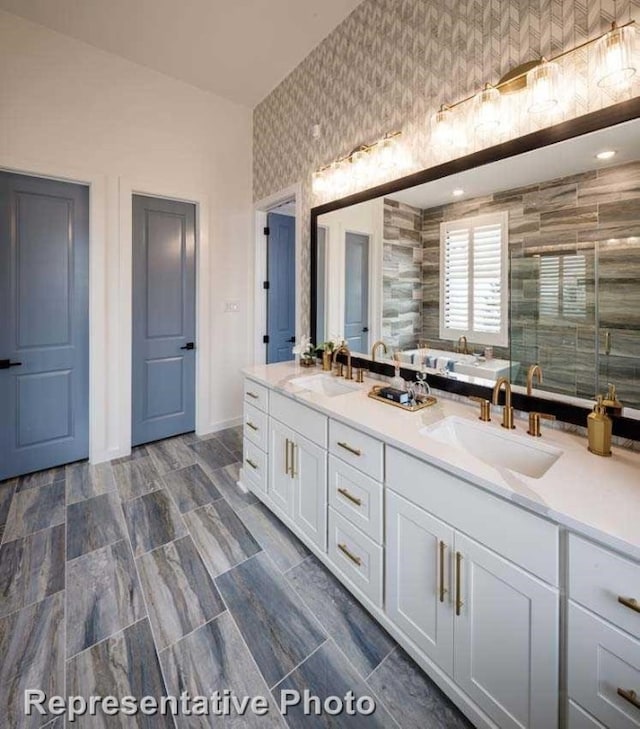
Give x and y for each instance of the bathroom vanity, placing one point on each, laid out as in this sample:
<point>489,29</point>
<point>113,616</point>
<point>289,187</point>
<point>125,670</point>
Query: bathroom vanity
<point>507,566</point>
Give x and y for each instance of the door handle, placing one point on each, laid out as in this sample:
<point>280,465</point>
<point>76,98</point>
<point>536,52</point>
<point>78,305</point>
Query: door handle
<point>365,329</point>
<point>443,589</point>
<point>6,363</point>
<point>189,345</point>
<point>459,602</point>
<point>292,340</point>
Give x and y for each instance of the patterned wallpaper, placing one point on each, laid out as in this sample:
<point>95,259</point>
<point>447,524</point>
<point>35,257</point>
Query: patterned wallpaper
<point>391,64</point>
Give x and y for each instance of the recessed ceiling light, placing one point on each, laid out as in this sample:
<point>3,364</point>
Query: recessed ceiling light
<point>458,192</point>
<point>606,154</point>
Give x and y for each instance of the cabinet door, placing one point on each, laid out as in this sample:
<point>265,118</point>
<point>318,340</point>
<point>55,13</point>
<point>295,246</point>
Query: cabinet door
<point>310,495</point>
<point>418,578</point>
<point>281,482</point>
<point>506,638</point>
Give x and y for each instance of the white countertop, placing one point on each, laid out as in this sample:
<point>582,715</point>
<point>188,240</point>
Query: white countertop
<point>598,497</point>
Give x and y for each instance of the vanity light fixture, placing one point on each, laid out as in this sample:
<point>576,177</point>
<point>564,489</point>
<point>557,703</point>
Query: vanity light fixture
<point>606,154</point>
<point>614,50</point>
<point>356,169</point>
<point>543,85</point>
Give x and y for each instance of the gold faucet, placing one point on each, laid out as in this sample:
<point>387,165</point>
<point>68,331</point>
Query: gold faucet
<point>461,349</point>
<point>507,411</point>
<point>533,370</point>
<point>377,344</point>
<point>344,348</point>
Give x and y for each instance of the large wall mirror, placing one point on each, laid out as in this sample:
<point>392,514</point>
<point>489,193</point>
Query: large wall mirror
<point>530,259</point>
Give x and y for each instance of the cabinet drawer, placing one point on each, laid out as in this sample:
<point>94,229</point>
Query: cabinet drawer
<point>256,395</point>
<point>357,497</point>
<point>255,426</point>
<point>509,530</point>
<point>577,718</point>
<point>601,661</point>
<point>605,583</point>
<point>356,556</point>
<point>255,467</point>
<point>356,448</point>
<point>307,422</point>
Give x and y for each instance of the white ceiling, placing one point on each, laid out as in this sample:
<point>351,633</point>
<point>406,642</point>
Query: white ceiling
<point>238,49</point>
<point>549,163</point>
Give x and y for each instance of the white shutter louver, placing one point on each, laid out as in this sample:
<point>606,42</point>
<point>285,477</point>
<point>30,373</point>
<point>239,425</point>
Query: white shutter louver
<point>563,290</point>
<point>473,279</point>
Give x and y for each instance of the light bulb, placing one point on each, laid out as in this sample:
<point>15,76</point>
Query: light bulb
<point>543,87</point>
<point>386,155</point>
<point>448,129</point>
<point>319,182</point>
<point>360,168</point>
<point>487,106</point>
<point>614,54</point>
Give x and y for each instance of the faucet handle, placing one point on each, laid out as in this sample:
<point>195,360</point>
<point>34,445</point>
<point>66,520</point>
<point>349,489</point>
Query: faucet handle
<point>534,422</point>
<point>485,408</point>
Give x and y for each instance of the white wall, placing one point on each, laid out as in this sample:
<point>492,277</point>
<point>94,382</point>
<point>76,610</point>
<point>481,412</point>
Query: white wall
<point>69,110</point>
<point>366,218</point>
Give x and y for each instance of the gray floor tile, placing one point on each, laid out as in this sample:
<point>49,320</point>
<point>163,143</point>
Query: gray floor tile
<point>32,650</point>
<point>284,548</point>
<point>35,509</point>
<point>226,481</point>
<point>170,455</point>
<point>222,539</point>
<point>412,698</point>
<point>85,481</point>
<point>136,477</point>
<point>94,523</point>
<point>328,673</point>
<point>214,658</point>
<point>124,665</point>
<point>279,631</point>
<point>191,487</point>
<point>31,568</point>
<point>103,595</point>
<point>152,520</point>
<point>360,637</point>
<point>213,453</point>
<point>179,591</point>
<point>7,489</point>
<point>231,438</point>
<point>40,478</point>
<point>136,452</point>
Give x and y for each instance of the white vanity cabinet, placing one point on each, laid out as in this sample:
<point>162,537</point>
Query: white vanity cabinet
<point>487,622</point>
<point>297,485</point>
<point>603,666</point>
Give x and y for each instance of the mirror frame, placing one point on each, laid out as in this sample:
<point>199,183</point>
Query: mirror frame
<point>563,409</point>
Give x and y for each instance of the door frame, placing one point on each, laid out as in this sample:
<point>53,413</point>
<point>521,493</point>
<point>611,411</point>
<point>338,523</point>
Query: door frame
<point>370,280</point>
<point>127,189</point>
<point>261,208</point>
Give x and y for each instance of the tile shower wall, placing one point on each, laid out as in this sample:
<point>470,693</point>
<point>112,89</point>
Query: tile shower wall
<point>402,275</point>
<point>560,303</point>
<point>391,64</point>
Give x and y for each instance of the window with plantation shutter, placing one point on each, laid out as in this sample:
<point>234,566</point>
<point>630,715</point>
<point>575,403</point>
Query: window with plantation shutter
<point>473,279</point>
<point>563,288</point>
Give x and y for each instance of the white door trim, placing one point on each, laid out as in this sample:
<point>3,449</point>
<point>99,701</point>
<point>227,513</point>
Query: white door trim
<point>261,208</point>
<point>128,188</point>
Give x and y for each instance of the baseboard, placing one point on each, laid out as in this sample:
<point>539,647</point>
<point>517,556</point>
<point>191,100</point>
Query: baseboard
<point>221,425</point>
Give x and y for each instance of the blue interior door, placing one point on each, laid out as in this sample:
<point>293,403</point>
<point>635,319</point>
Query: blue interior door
<point>356,297</point>
<point>281,294</point>
<point>44,324</point>
<point>164,320</point>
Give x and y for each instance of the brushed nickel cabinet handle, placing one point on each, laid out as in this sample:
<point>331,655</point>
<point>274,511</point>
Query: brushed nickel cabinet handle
<point>252,464</point>
<point>459,602</point>
<point>630,696</point>
<point>349,448</point>
<point>252,425</point>
<point>443,589</point>
<point>286,456</point>
<point>345,550</point>
<point>629,602</point>
<point>354,499</point>
<point>253,395</point>
<point>294,447</point>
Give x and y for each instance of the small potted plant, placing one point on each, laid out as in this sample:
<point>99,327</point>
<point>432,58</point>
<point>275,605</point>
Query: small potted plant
<point>306,351</point>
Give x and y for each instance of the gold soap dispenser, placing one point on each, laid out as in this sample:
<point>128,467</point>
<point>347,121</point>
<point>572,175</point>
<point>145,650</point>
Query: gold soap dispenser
<point>599,430</point>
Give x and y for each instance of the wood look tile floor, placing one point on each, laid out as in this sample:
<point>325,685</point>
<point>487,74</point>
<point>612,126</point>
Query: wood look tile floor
<point>154,575</point>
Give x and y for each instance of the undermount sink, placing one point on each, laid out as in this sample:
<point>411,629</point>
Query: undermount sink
<point>327,385</point>
<point>503,450</point>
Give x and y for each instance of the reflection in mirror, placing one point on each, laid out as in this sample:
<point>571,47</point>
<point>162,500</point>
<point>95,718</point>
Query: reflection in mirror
<point>531,259</point>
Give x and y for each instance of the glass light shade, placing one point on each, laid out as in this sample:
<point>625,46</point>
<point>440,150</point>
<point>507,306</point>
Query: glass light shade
<point>386,155</point>
<point>360,168</point>
<point>319,182</point>
<point>487,107</point>
<point>448,128</point>
<point>339,178</point>
<point>614,58</point>
<point>543,87</point>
